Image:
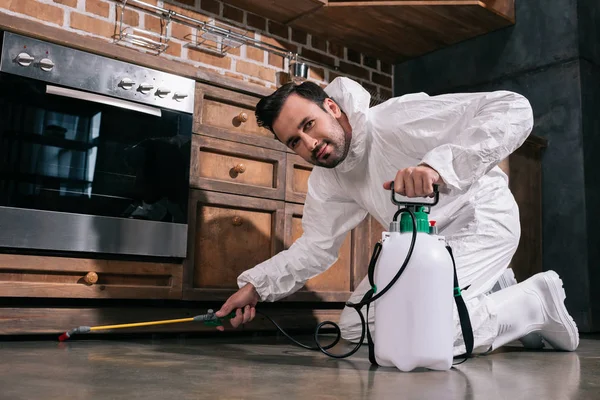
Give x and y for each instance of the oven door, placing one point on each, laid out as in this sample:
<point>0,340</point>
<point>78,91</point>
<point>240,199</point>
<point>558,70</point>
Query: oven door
<point>82,172</point>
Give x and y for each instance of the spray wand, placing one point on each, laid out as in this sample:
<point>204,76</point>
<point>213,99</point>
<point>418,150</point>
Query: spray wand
<point>209,319</point>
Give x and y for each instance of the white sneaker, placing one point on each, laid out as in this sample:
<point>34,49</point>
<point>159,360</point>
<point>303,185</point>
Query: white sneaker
<point>532,340</point>
<point>536,305</point>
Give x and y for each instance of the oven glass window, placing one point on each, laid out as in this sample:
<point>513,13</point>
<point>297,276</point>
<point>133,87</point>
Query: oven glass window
<point>64,154</point>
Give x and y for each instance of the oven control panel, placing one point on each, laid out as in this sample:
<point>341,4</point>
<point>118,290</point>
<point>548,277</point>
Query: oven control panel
<point>85,71</point>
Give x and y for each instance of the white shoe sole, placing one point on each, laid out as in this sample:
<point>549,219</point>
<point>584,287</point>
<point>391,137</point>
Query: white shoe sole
<point>558,297</point>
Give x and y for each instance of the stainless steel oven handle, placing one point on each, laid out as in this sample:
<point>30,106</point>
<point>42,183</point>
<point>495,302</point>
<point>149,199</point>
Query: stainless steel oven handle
<point>97,98</point>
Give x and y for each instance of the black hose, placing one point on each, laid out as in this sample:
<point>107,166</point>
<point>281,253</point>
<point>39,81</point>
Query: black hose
<point>368,299</point>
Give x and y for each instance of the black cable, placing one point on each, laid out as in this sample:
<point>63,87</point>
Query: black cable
<point>357,306</point>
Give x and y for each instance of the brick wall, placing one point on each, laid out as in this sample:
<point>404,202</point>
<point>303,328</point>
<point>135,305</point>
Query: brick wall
<point>100,18</point>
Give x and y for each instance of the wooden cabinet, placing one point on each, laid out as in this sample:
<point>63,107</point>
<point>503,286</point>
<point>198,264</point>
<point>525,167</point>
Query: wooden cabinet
<point>228,234</point>
<point>247,202</point>
<point>64,277</point>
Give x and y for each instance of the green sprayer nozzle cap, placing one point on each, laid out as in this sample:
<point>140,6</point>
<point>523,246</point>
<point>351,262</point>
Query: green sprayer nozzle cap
<point>422,220</point>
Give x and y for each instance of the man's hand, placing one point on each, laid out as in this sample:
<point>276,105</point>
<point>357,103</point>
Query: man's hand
<point>415,181</point>
<point>246,299</point>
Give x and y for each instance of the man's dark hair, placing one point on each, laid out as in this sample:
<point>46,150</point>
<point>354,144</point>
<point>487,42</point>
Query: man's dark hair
<point>269,107</point>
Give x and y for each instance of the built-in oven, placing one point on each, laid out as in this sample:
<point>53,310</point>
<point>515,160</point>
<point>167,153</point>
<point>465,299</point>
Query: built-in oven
<point>94,152</point>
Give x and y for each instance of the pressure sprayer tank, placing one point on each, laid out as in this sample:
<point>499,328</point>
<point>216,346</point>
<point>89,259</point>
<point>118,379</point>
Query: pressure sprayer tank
<point>414,319</point>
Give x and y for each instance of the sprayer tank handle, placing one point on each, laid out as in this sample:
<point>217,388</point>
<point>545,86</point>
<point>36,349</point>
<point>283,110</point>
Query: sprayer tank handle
<point>409,203</point>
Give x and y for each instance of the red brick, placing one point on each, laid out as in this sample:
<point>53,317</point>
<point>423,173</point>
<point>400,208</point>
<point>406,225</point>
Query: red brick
<point>275,60</point>
<point>130,17</point>
<point>280,43</point>
<point>299,36</point>
<point>187,2</point>
<point>386,94</point>
<point>234,76</point>
<point>233,13</point>
<point>318,57</point>
<point>235,51</point>
<point>370,62</point>
<point>92,25</point>
<point>44,12</point>
<point>383,80</point>
<point>318,43</point>
<point>256,21</point>
<point>70,3</point>
<point>385,67</point>
<point>180,31</point>
<point>255,54</point>
<point>317,73</point>
<point>174,49</point>
<point>97,7</point>
<point>153,24</point>
<point>353,55</point>
<point>212,6</point>
<point>256,70</point>
<point>336,50</point>
<point>278,29</point>
<point>200,56</point>
<point>354,70</point>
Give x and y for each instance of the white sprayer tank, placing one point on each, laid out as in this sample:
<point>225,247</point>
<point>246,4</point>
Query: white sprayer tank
<point>414,325</point>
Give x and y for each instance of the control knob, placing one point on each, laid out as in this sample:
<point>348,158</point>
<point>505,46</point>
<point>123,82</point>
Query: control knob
<point>145,88</point>
<point>180,96</point>
<point>162,92</point>
<point>46,64</point>
<point>25,59</point>
<point>127,83</point>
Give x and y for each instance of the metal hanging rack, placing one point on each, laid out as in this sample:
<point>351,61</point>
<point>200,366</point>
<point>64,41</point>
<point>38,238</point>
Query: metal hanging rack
<point>157,42</point>
<point>228,36</point>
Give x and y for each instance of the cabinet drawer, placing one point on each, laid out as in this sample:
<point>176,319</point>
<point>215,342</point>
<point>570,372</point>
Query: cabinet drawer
<point>230,115</point>
<point>230,167</point>
<point>228,235</point>
<point>40,276</point>
<point>297,173</point>
<point>335,283</point>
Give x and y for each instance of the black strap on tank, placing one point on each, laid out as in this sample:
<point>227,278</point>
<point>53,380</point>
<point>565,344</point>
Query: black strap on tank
<point>463,313</point>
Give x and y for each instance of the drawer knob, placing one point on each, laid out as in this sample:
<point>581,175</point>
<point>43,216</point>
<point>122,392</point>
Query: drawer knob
<point>243,117</point>
<point>91,278</point>
<point>240,168</point>
<point>236,221</point>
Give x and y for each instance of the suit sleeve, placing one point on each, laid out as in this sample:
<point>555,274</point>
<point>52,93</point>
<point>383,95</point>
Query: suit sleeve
<point>327,218</point>
<point>462,136</point>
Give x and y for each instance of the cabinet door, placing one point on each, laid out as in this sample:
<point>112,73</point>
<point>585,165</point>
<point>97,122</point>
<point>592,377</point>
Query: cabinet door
<point>230,167</point>
<point>228,235</point>
<point>336,283</point>
<point>230,115</point>
<point>297,173</point>
<point>44,276</point>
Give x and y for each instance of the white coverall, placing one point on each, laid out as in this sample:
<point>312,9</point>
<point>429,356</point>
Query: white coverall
<point>463,137</point>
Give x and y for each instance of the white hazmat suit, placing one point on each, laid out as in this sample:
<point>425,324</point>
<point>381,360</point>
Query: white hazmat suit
<point>463,137</point>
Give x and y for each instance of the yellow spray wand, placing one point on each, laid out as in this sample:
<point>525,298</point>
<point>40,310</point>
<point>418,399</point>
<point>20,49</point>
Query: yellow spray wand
<point>209,319</point>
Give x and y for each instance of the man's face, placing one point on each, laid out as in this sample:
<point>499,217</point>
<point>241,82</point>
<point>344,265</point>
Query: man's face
<point>311,132</point>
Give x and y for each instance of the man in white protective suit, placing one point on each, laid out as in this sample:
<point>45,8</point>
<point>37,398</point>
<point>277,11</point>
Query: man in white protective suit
<point>416,140</point>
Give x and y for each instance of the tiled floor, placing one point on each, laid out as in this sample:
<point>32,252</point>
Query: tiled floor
<point>270,368</point>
